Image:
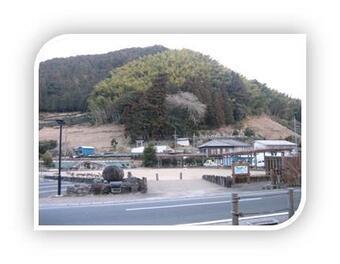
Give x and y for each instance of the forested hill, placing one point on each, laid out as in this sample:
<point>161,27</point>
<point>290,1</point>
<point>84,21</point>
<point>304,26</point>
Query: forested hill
<point>182,90</point>
<point>65,83</point>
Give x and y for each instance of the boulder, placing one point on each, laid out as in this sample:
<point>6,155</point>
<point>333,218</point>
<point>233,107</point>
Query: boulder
<point>113,173</point>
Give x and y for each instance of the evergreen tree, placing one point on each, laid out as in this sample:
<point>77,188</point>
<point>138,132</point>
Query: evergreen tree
<point>155,109</point>
<point>149,156</point>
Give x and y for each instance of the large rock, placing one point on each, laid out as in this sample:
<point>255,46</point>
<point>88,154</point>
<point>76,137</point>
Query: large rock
<point>113,173</point>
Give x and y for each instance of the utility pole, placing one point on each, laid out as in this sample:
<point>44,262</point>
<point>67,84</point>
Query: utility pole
<point>60,123</point>
<point>295,134</point>
<point>175,136</point>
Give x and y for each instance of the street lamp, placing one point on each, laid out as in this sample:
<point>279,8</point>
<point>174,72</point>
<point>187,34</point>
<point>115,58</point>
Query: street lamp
<point>60,122</point>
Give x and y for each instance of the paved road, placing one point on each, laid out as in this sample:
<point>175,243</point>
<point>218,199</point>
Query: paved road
<point>50,187</point>
<point>163,212</point>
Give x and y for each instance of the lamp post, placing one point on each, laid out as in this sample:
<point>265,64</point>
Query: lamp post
<point>60,123</point>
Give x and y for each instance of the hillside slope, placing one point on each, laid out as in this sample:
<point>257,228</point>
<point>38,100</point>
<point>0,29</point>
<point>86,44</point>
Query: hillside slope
<point>263,126</point>
<point>101,136</point>
<point>151,96</point>
<point>65,83</point>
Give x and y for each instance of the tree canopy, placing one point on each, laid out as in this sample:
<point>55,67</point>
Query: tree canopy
<point>183,90</point>
<point>65,83</point>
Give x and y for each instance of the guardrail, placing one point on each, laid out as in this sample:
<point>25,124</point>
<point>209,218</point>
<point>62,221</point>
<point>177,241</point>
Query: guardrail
<point>236,213</point>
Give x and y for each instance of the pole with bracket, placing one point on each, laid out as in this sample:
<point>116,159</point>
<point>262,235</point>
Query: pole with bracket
<point>60,123</point>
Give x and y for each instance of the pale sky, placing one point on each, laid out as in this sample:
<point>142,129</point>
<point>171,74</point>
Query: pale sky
<point>279,60</point>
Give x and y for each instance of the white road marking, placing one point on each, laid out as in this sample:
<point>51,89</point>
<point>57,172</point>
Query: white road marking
<point>54,186</point>
<point>52,191</point>
<point>110,203</point>
<point>230,219</point>
<point>186,205</point>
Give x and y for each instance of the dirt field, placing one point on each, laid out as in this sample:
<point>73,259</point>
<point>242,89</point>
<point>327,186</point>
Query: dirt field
<point>98,136</point>
<point>172,174</point>
<point>187,173</point>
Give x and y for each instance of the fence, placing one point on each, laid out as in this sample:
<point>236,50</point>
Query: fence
<point>236,213</point>
<point>225,181</point>
<point>285,170</point>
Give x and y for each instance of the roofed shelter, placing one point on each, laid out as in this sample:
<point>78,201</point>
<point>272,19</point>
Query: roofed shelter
<point>222,146</point>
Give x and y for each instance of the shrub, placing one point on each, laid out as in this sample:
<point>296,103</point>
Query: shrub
<point>114,143</point>
<point>46,145</point>
<point>248,132</point>
<point>113,173</point>
<point>47,159</point>
<point>235,132</point>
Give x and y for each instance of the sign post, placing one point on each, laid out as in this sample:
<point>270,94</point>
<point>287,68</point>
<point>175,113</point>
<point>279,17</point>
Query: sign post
<point>241,172</point>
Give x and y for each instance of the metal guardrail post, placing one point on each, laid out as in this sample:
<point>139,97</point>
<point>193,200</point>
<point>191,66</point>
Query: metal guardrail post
<point>157,177</point>
<point>290,202</point>
<point>235,208</point>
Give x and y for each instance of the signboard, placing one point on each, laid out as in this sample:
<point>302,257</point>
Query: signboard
<point>241,172</point>
<point>240,169</point>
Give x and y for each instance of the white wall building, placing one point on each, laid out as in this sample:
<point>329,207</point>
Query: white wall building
<point>159,149</point>
<point>183,142</point>
<point>274,144</point>
<point>284,148</point>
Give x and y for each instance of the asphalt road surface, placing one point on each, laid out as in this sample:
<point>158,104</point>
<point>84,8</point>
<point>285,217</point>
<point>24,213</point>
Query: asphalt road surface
<point>50,187</point>
<point>195,210</point>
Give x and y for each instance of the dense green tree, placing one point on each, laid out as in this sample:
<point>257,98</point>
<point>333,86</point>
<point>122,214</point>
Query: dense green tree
<point>65,83</point>
<point>149,156</point>
<point>154,106</point>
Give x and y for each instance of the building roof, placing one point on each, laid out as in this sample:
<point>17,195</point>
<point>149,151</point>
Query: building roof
<point>86,147</point>
<point>275,142</point>
<point>223,143</point>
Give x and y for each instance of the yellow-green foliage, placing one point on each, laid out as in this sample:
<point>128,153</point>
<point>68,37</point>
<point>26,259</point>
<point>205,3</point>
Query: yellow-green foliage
<point>226,96</point>
<point>179,65</point>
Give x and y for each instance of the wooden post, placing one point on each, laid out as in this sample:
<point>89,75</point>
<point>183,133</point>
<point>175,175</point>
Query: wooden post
<point>290,202</point>
<point>235,208</point>
<point>157,177</point>
<point>255,158</point>
<point>145,185</point>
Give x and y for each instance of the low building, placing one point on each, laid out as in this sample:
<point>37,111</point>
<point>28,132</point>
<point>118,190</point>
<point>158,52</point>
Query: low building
<point>183,142</point>
<point>222,146</point>
<point>159,149</point>
<point>272,148</point>
<point>274,144</point>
